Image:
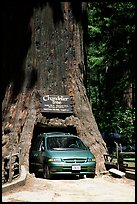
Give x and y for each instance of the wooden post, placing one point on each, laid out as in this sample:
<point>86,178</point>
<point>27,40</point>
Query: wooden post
<point>19,160</point>
<point>120,147</point>
<point>10,167</point>
<point>117,155</point>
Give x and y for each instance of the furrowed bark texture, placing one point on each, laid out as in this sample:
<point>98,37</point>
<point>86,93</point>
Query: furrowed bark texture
<point>47,57</point>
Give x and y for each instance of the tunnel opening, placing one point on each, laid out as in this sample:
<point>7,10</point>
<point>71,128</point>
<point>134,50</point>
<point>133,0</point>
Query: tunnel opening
<point>41,128</point>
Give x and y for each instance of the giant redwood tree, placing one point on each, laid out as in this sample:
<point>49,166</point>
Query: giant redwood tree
<point>44,53</point>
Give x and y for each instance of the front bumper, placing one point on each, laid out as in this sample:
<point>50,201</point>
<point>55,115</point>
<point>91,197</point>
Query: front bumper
<point>61,168</point>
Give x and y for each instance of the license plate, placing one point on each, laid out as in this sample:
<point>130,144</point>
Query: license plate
<point>76,167</point>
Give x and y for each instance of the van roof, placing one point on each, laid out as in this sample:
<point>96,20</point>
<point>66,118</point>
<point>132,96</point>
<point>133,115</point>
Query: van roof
<point>55,134</point>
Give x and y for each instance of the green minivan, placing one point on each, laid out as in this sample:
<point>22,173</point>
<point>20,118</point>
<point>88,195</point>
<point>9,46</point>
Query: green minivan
<point>61,153</point>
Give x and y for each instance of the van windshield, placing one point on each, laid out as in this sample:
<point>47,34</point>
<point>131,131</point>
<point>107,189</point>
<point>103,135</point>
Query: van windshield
<point>58,143</point>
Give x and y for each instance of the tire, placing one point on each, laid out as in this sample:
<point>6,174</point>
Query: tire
<point>90,175</point>
<point>46,172</point>
<point>33,169</point>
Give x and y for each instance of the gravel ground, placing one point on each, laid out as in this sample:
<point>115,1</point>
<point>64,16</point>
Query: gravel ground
<point>103,188</point>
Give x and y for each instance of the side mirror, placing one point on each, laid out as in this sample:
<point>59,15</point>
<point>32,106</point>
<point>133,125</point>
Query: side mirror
<point>42,148</point>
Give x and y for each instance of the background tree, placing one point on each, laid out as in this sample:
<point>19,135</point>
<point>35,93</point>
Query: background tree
<point>111,66</point>
<point>43,53</point>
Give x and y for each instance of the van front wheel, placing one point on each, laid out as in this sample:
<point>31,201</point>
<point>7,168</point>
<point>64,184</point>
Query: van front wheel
<point>46,172</point>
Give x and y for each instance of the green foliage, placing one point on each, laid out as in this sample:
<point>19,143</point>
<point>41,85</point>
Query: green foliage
<point>121,120</point>
<point>111,55</point>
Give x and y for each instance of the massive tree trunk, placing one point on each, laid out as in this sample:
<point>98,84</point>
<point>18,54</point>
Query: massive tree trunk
<point>43,54</point>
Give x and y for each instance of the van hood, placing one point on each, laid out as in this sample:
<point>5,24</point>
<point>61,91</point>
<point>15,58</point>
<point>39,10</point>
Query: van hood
<point>70,154</point>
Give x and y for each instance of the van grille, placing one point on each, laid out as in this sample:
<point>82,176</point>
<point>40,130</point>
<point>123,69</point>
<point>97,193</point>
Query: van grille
<point>78,160</point>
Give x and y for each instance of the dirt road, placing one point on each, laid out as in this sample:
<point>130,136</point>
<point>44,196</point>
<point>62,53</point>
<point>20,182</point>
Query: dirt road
<point>103,188</point>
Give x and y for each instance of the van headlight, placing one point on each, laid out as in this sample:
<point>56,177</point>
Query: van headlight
<point>54,160</point>
<point>91,159</point>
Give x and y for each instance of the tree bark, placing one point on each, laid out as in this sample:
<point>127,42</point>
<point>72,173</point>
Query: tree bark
<point>45,56</point>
